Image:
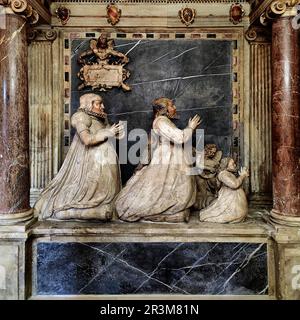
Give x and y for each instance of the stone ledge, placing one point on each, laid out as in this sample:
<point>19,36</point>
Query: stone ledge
<point>254,228</point>
<point>18,231</point>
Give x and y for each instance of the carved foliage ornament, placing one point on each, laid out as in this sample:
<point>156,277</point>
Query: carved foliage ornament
<point>113,14</point>
<point>102,66</point>
<point>187,15</point>
<point>236,13</point>
<point>63,14</point>
<point>22,8</point>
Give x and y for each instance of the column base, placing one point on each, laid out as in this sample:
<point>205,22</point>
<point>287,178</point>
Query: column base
<point>13,218</point>
<point>281,219</point>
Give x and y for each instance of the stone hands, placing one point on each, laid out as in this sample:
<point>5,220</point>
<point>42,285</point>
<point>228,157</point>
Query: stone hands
<point>116,129</point>
<point>194,122</point>
<point>244,172</point>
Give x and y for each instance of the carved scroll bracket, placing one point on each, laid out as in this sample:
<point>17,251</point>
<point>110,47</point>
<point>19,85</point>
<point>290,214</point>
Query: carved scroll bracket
<point>22,8</point>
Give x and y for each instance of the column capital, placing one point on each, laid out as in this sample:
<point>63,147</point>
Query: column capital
<point>258,34</point>
<point>279,8</point>
<point>22,8</point>
<point>42,35</point>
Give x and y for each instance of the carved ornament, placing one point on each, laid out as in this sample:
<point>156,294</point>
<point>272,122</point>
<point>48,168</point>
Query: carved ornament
<point>102,66</point>
<point>279,8</point>
<point>22,8</point>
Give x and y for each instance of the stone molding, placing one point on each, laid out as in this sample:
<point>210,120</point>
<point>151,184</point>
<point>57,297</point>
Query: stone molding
<point>149,1</point>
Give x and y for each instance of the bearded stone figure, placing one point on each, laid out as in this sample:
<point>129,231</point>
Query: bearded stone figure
<point>163,190</point>
<point>89,179</point>
<point>231,205</point>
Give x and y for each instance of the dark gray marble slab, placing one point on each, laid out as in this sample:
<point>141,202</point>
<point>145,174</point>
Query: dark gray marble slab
<point>197,74</point>
<point>151,268</point>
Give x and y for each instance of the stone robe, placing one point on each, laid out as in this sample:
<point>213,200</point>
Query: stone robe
<point>88,180</point>
<point>163,190</point>
<point>231,205</point>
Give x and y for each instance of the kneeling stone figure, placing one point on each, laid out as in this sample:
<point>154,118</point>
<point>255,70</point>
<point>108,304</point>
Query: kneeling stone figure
<point>231,205</point>
<point>89,179</point>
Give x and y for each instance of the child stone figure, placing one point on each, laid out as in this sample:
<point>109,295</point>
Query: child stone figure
<point>231,205</point>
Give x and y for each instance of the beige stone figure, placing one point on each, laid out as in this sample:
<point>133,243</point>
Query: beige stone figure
<point>163,190</point>
<point>231,205</point>
<point>207,182</point>
<point>89,179</point>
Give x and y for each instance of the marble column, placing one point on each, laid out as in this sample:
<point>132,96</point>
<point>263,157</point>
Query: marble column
<point>285,122</point>
<point>14,142</point>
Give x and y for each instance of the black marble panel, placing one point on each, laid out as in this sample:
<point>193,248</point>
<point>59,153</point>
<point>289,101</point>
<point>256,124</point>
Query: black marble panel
<point>197,74</point>
<point>151,268</point>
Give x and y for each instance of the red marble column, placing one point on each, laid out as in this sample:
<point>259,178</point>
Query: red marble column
<point>285,122</point>
<point>14,122</point>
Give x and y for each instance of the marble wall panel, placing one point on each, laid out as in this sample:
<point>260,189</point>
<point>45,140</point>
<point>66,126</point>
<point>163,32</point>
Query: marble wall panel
<point>151,268</point>
<point>197,74</point>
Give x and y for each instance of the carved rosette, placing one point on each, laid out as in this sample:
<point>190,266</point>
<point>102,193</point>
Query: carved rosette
<point>22,8</point>
<point>278,8</point>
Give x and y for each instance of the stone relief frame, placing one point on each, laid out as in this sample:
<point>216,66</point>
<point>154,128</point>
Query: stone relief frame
<point>236,36</point>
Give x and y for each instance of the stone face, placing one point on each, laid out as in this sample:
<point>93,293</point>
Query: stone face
<point>151,268</point>
<point>14,154</point>
<point>285,118</point>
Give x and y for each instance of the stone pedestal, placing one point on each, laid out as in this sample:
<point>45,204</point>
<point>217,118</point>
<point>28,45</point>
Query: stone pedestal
<point>190,260</point>
<point>285,122</point>
<point>287,262</point>
<point>13,255</point>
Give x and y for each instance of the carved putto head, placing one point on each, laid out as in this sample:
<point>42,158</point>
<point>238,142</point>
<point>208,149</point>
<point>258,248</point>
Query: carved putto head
<point>210,150</point>
<point>102,41</point>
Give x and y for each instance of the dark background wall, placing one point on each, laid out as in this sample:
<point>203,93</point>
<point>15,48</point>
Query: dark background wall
<point>197,74</point>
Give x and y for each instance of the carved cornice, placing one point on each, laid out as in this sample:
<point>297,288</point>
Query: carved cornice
<point>22,8</point>
<point>41,35</point>
<point>149,1</point>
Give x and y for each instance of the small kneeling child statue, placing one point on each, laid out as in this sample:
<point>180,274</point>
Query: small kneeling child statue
<point>231,205</point>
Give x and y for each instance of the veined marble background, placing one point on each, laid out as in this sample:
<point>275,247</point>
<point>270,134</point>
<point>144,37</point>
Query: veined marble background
<point>151,268</point>
<point>197,74</point>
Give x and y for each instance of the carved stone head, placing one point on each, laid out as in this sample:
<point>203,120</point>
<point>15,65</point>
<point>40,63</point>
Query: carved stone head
<point>164,106</point>
<point>102,41</point>
<point>86,101</point>
<point>210,150</point>
<point>228,164</point>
